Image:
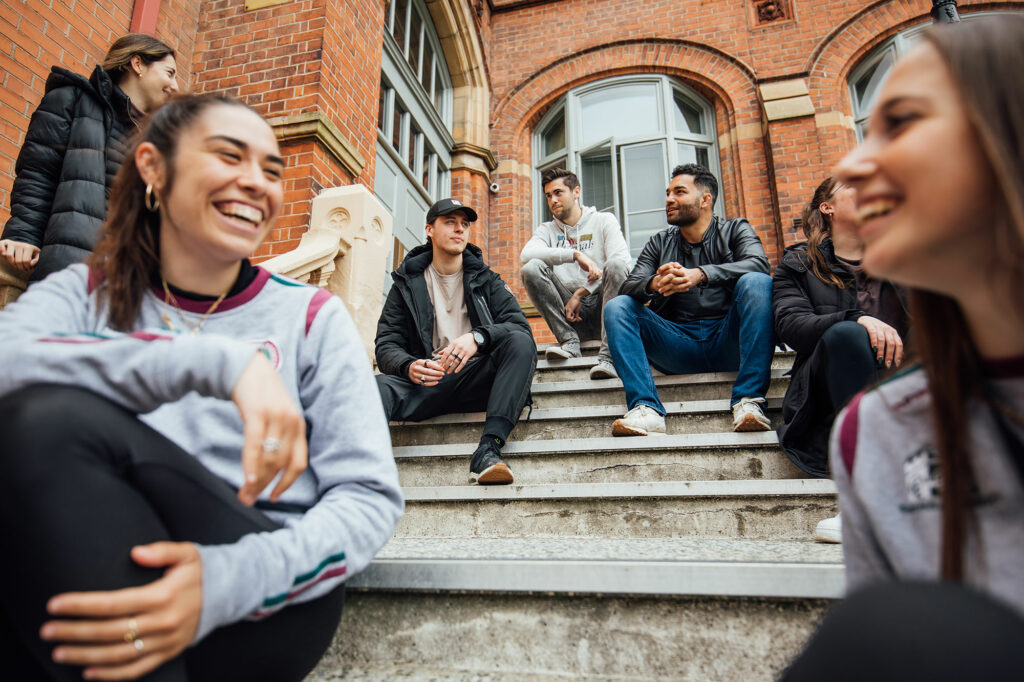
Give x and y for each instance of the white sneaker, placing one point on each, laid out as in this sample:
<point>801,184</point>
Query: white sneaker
<point>640,421</point>
<point>748,415</point>
<point>604,369</point>
<point>829,530</point>
<point>566,351</point>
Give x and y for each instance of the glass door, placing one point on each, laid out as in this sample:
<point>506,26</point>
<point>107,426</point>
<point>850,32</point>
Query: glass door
<point>644,169</point>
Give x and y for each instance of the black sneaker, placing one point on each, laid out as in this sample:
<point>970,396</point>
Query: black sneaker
<point>487,467</point>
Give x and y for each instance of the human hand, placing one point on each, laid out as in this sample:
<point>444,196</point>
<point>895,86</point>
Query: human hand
<point>673,278</point>
<point>425,372</point>
<point>21,255</point>
<point>573,305</point>
<point>275,431</point>
<point>124,634</point>
<point>587,265</point>
<point>456,354</point>
<point>885,341</point>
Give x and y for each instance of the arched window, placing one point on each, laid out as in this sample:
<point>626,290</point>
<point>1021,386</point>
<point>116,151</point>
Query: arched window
<point>866,79</point>
<point>414,138</point>
<point>622,136</point>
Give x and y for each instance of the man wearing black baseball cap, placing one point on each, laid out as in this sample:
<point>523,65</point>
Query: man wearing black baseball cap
<point>452,338</point>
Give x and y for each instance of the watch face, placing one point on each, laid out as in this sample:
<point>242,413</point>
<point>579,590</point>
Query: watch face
<point>478,337</point>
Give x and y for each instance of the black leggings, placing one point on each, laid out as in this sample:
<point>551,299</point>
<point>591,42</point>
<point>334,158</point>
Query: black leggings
<point>81,482</point>
<point>897,632</point>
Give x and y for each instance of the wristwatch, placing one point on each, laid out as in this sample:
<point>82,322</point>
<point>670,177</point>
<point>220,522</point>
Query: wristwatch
<point>479,337</point>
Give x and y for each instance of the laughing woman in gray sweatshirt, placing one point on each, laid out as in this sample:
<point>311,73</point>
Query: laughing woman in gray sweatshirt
<point>189,465</point>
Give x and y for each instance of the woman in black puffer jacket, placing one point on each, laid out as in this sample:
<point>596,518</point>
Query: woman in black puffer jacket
<point>843,325</point>
<point>76,141</point>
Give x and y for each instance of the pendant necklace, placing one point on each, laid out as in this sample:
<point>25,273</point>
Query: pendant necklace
<point>170,301</point>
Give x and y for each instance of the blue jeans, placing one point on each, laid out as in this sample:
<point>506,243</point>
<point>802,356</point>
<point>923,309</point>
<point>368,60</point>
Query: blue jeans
<point>741,341</point>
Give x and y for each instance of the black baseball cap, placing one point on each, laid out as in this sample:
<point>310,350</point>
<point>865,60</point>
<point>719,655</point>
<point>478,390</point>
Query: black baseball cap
<point>446,206</point>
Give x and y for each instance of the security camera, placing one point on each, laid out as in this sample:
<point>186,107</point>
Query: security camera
<point>495,188</point>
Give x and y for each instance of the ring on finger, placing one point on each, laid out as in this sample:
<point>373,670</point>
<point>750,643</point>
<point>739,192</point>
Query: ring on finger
<point>133,630</point>
<point>139,646</point>
<point>271,444</point>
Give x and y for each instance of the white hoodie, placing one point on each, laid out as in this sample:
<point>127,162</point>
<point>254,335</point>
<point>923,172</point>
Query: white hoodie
<point>596,234</point>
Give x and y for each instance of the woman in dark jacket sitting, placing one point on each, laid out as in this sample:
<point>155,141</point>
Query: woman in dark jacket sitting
<point>76,141</point>
<point>843,325</point>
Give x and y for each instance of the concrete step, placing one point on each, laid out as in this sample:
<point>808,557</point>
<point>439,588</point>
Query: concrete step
<point>699,416</point>
<point>675,388</point>
<point>577,368</point>
<point>577,608</point>
<point>684,457</point>
<point>586,348</point>
<point>736,509</point>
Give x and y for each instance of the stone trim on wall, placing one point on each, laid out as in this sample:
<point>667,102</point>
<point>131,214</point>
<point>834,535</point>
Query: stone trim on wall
<point>260,4</point>
<point>313,125</point>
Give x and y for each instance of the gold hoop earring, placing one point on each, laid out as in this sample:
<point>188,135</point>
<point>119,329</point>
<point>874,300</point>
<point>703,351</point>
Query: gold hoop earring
<point>152,200</point>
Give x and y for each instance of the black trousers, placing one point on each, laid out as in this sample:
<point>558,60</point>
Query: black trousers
<point>81,482</point>
<point>843,363</point>
<point>903,632</point>
<point>497,381</point>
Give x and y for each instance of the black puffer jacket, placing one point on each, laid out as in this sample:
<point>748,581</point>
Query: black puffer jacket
<point>76,142</point>
<point>804,308</point>
<point>406,327</point>
<point>730,248</point>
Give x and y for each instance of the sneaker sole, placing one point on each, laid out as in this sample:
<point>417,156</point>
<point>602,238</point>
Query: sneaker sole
<point>496,474</point>
<point>603,374</point>
<point>553,354</point>
<point>829,536</point>
<point>620,429</point>
<point>751,423</point>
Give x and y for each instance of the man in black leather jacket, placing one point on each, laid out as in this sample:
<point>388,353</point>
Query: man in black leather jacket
<point>452,338</point>
<point>698,300</point>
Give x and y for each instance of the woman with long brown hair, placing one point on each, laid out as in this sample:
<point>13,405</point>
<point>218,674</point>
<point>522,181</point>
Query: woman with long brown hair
<point>193,457</point>
<point>930,464</point>
<point>843,325</point>
<point>76,140</point>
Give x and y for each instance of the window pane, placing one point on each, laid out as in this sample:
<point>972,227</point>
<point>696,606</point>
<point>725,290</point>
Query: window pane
<point>414,137</point>
<point>640,228</point>
<point>438,87</point>
<point>688,153</point>
<point>414,42</point>
<point>866,87</point>
<point>596,179</point>
<point>688,118</point>
<point>382,109</point>
<point>621,111</point>
<point>399,28</point>
<point>554,136</point>
<point>387,15</point>
<point>427,162</point>
<point>643,172</point>
<point>427,72</point>
<point>396,129</point>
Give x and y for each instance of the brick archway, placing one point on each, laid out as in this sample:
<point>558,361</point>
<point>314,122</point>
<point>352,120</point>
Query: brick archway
<point>727,82</point>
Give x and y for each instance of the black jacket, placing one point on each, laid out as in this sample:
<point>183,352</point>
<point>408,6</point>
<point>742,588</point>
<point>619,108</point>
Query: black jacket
<point>731,249</point>
<point>76,142</point>
<point>804,308</point>
<point>406,327</point>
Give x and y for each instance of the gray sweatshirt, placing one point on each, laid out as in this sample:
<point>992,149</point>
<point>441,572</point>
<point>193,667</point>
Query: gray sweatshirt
<point>890,503</point>
<point>182,385</point>
<point>596,235</point>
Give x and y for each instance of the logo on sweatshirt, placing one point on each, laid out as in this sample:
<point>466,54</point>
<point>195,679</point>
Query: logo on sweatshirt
<point>270,352</point>
<point>922,480</point>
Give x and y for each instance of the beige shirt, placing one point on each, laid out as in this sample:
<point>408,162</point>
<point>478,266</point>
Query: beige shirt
<point>451,319</point>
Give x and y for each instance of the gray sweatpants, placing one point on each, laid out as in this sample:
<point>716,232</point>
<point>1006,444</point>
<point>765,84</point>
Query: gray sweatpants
<point>550,297</point>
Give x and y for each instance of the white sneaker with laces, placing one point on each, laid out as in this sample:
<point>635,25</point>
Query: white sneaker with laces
<point>829,530</point>
<point>748,415</point>
<point>604,369</point>
<point>566,351</point>
<point>640,421</point>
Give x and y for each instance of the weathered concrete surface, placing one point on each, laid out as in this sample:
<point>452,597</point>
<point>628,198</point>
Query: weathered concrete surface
<point>751,517</point>
<point>609,391</point>
<point>703,640</point>
<point>767,462</point>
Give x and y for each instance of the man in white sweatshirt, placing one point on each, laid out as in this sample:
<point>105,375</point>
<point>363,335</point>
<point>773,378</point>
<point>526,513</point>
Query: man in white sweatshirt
<point>572,266</point>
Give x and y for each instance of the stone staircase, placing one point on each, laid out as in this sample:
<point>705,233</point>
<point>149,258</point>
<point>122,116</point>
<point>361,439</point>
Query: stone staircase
<point>683,557</point>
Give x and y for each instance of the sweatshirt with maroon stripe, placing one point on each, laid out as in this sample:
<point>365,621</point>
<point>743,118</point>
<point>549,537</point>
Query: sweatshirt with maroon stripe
<point>338,513</point>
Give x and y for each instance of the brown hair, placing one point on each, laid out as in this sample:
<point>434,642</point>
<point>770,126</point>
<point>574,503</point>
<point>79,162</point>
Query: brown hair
<point>119,57</point>
<point>127,254</point>
<point>567,177</point>
<point>975,52</point>
<point>817,228</point>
